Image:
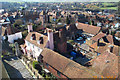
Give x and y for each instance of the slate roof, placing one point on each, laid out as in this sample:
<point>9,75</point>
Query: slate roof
<point>72,27</point>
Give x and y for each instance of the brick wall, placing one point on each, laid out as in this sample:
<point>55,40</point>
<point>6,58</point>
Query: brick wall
<point>34,71</point>
<point>54,72</point>
<point>62,47</point>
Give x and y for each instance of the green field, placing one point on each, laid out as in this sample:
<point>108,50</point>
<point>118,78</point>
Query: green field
<point>114,8</point>
<point>106,4</point>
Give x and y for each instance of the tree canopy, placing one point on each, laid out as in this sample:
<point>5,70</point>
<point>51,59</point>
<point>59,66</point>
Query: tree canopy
<point>67,20</point>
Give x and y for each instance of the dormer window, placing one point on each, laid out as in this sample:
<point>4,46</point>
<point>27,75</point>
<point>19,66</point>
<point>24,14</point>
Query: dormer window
<point>33,37</point>
<point>40,41</point>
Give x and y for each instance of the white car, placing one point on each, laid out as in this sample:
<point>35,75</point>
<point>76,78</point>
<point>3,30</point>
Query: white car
<point>79,39</point>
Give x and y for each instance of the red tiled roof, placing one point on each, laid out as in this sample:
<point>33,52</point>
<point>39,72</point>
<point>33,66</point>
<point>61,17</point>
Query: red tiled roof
<point>106,64</point>
<point>89,28</point>
<point>54,59</point>
<point>116,50</point>
<point>109,16</point>
<point>94,45</point>
<point>100,49</point>
<point>117,34</point>
<point>101,16</point>
<point>110,39</point>
<point>66,66</point>
<point>98,36</point>
<point>38,35</point>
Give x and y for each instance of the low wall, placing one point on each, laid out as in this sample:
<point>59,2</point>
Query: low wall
<point>34,71</point>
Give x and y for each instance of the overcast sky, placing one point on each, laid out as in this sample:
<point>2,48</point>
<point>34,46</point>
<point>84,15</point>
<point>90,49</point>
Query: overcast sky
<point>59,0</point>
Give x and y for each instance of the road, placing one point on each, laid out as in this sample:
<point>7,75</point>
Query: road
<point>16,69</point>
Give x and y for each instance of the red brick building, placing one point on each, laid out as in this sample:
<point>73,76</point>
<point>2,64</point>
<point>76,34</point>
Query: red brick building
<point>63,67</point>
<point>103,66</point>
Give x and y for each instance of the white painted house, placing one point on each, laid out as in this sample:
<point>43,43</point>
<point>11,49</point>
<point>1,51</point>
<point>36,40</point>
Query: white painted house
<point>36,42</point>
<point>15,36</point>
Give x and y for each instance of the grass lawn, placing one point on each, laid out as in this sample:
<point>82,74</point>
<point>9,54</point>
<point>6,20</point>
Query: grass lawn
<point>114,8</point>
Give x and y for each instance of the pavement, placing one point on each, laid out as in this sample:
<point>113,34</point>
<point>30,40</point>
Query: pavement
<point>13,65</point>
<point>16,69</point>
<point>3,72</point>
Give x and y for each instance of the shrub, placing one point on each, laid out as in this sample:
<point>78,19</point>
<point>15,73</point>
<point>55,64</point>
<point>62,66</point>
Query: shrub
<point>25,33</point>
<point>19,41</point>
<point>38,67</point>
<point>70,41</point>
<point>67,20</point>
<point>5,53</point>
<point>47,78</point>
<point>35,63</point>
<point>43,75</point>
<point>2,56</point>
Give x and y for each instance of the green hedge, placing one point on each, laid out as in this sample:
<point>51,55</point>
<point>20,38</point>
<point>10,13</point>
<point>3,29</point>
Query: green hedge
<point>25,33</point>
<point>34,63</point>
<point>70,41</point>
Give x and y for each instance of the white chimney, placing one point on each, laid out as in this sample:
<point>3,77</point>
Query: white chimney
<point>50,39</point>
<point>30,28</point>
<point>76,23</point>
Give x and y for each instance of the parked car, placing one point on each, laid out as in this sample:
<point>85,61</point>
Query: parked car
<point>79,39</point>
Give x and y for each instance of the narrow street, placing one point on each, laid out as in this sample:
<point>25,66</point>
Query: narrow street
<point>16,68</point>
<point>13,65</point>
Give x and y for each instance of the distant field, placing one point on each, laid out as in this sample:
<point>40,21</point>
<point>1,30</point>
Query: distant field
<point>114,8</point>
<point>106,4</point>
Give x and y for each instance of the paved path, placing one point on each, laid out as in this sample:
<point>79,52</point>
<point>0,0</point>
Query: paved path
<point>16,69</point>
